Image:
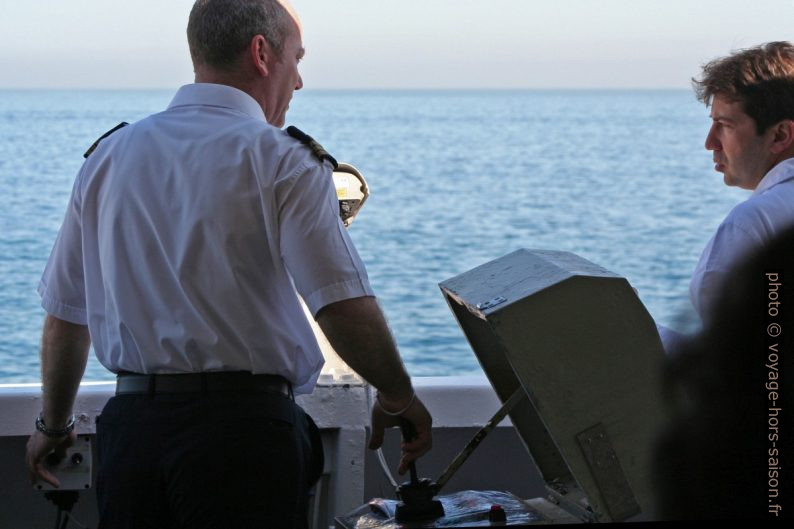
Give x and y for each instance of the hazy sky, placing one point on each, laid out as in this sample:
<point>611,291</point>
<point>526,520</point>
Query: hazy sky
<point>399,43</point>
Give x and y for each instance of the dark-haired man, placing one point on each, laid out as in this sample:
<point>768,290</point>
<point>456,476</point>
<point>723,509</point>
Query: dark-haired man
<point>186,237</point>
<point>751,94</point>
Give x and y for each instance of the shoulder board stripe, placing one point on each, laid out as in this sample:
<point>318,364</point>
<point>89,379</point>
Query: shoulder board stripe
<point>316,148</point>
<point>105,135</point>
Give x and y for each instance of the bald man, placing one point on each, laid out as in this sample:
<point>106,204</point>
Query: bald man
<point>186,238</point>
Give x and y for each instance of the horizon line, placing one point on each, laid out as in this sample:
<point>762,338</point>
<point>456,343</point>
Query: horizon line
<point>367,89</point>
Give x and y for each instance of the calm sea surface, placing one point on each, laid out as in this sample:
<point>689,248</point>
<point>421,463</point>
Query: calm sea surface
<point>457,179</point>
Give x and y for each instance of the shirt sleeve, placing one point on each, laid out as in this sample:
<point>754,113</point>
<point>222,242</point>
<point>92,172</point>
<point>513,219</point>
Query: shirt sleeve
<point>727,248</point>
<point>62,285</point>
<point>672,341</point>
<point>315,246</point>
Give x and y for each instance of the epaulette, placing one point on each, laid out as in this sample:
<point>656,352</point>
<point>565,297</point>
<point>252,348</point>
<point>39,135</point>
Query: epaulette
<point>102,137</point>
<point>316,148</point>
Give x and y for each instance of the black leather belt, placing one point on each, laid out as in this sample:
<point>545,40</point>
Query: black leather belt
<point>217,381</point>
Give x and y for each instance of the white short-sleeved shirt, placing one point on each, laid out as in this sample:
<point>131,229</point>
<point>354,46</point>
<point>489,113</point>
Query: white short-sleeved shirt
<point>187,235</point>
<point>747,229</point>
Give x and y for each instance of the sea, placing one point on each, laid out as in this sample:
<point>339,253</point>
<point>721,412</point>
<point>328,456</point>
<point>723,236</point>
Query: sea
<point>457,179</point>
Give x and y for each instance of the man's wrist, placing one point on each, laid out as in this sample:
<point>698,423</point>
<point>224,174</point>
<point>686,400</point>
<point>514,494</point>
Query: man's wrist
<point>398,397</point>
<point>48,431</point>
<point>396,410</point>
<point>397,387</point>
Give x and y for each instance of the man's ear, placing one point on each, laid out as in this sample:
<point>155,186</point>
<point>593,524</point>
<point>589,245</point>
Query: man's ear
<point>262,56</point>
<point>783,136</point>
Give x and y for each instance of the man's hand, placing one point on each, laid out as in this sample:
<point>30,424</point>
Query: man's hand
<point>64,352</point>
<point>39,447</point>
<point>416,414</point>
<point>358,332</point>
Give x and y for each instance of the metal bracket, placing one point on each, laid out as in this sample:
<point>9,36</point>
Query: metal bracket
<point>491,303</point>
<point>608,474</point>
<point>569,497</point>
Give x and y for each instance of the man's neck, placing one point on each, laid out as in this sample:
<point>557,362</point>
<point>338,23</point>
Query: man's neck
<point>208,75</point>
<point>777,161</point>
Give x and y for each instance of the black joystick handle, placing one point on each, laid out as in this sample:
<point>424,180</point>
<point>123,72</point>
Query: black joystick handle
<point>417,495</point>
<point>409,434</point>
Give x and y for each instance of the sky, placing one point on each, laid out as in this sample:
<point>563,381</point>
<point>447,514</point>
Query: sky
<point>399,44</point>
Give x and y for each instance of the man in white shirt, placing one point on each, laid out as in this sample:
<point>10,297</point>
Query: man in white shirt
<point>185,240</point>
<point>751,94</point>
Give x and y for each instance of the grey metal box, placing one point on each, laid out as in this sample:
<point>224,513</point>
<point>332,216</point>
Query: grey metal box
<point>579,342</point>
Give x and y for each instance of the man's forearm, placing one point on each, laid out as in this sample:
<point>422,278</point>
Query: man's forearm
<point>64,352</point>
<point>359,334</point>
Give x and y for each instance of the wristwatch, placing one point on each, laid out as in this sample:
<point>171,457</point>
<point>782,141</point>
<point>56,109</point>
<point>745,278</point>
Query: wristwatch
<point>49,432</point>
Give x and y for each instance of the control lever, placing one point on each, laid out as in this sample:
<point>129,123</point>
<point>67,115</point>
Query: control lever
<point>416,496</point>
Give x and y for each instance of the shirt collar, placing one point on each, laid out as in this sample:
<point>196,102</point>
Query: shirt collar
<point>217,95</point>
<point>779,173</point>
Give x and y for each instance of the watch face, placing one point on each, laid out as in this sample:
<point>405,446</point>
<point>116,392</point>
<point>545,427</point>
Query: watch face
<point>351,190</point>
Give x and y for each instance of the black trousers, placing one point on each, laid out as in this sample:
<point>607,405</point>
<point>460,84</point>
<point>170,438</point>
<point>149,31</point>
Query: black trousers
<point>207,460</point>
